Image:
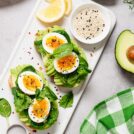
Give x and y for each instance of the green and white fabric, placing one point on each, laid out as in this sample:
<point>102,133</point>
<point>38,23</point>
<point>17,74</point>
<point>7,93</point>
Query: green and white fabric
<point>112,116</point>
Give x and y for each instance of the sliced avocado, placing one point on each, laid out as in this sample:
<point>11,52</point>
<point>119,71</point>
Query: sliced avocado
<point>124,50</point>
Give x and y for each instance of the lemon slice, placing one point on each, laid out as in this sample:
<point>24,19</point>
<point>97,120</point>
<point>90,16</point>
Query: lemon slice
<point>53,12</point>
<point>68,4</point>
<point>49,1</point>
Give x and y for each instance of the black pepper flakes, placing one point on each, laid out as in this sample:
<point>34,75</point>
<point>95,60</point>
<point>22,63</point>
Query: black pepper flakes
<point>29,52</point>
<point>91,54</point>
<point>34,131</point>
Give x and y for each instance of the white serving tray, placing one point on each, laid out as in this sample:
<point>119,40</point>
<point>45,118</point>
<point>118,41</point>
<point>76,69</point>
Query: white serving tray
<point>20,56</point>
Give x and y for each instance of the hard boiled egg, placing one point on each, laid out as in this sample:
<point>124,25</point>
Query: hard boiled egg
<point>29,82</point>
<point>39,110</point>
<point>67,64</point>
<point>51,41</point>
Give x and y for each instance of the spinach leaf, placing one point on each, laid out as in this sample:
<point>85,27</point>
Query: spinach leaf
<point>15,71</point>
<point>72,79</point>
<point>83,68</point>
<point>67,100</point>
<point>65,34</point>
<point>39,47</point>
<point>82,61</point>
<point>21,100</point>
<point>28,68</point>
<point>5,108</point>
<point>63,50</point>
<point>46,92</point>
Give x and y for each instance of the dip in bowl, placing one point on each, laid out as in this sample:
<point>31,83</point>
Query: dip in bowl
<point>90,23</point>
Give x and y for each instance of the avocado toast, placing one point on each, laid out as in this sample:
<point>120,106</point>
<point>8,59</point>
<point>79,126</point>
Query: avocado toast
<point>35,102</point>
<point>63,59</point>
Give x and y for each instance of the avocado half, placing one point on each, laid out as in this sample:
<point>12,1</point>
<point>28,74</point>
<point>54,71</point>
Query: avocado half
<point>124,50</point>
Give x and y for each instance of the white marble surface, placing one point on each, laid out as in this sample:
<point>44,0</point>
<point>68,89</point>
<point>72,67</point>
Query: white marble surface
<point>107,79</point>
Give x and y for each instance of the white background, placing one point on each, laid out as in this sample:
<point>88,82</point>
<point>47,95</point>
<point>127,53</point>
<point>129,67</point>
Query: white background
<point>107,79</point>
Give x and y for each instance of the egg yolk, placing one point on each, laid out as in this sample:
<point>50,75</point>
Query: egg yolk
<point>31,82</point>
<point>67,62</point>
<point>40,108</point>
<point>54,42</point>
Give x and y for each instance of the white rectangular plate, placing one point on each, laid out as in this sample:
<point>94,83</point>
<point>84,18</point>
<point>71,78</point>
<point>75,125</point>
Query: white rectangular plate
<point>20,55</point>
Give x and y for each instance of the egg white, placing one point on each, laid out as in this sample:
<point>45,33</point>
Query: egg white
<point>48,49</point>
<point>22,86</point>
<point>35,118</point>
<point>68,71</point>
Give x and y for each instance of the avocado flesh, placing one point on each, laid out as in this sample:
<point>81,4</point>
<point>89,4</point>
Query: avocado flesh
<point>124,42</point>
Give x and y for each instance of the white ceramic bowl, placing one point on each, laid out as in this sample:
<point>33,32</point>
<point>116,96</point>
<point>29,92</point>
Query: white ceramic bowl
<point>105,15</point>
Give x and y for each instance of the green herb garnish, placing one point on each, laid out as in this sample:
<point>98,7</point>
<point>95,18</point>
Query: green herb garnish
<point>63,50</point>
<point>5,108</point>
<point>46,92</point>
<point>67,100</point>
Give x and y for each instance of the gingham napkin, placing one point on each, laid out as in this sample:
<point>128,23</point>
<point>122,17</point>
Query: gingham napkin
<point>112,116</point>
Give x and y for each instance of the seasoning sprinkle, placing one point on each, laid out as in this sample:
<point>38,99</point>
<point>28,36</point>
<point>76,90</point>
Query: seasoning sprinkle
<point>89,23</point>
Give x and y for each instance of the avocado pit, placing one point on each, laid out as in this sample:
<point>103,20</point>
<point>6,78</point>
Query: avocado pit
<point>130,53</point>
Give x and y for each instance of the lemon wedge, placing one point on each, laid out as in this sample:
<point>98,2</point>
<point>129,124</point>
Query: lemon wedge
<point>53,12</point>
<point>68,4</point>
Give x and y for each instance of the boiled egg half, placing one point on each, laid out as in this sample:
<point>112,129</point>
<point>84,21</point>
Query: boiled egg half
<point>67,64</point>
<point>39,110</point>
<point>51,41</point>
<point>29,82</point>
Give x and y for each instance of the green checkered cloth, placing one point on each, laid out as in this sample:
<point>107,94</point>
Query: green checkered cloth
<point>112,116</point>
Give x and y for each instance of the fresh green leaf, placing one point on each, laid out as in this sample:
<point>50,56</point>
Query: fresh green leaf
<point>39,47</point>
<point>5,108</point>
<point>82,71</point>
<point>37,95</point>
<point>63,50</point>
<point>83,62</point>
<point>65,34</point>
<point>15,71</point>
<point>21,101</point>
<point>83,68</point>
<point>67,100</point>
<point>46,92</point>
<point>72,79</point>
<point>28,68</point>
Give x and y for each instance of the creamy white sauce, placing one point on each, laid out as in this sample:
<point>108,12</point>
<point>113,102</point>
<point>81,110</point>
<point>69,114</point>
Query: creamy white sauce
<point>89,23</point>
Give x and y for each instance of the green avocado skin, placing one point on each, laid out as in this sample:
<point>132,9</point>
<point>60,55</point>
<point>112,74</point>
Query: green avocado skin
<point>115,51</point>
